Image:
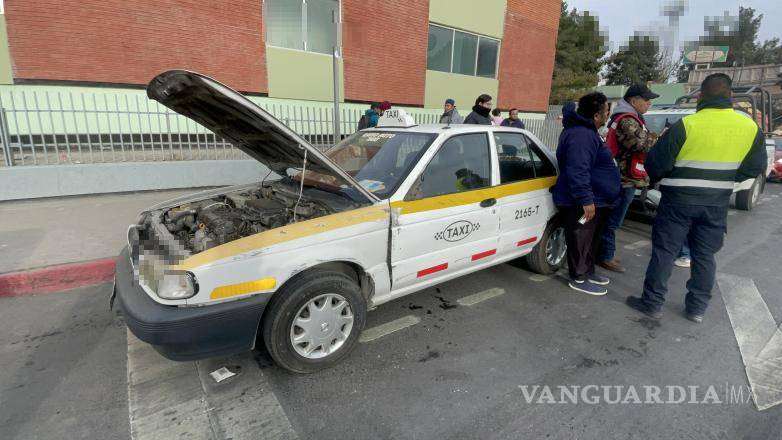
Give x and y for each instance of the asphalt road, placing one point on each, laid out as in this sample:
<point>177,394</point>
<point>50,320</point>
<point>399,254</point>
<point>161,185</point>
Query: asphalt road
<point>459,373</point>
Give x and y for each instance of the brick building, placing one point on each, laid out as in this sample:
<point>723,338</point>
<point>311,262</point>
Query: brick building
<point>411,52</point>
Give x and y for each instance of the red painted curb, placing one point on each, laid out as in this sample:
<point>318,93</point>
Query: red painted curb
<point>57,278</point>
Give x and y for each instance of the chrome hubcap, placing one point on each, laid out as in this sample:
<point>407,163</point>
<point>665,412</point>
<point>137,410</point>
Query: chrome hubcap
<point>321,326</point>
<point>556,247</point>
<point>755,192</point>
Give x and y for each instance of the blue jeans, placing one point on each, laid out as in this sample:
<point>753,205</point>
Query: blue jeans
<point>685,252</point>
<point>608,239</point>
<point>674,225</point>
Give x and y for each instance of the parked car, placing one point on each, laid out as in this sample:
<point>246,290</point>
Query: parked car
<point>776,170</point>
<point>297,260</point>
<point>746,193</point>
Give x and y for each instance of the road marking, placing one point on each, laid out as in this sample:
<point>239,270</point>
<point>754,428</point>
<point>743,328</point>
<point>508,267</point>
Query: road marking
<point>758,337</point>
<point>386,329</point>
<point>731,212</point>
<point>540,278</point>
<point>475,298</point>
<point>774,196</point>
<point>637,245</point>
<point>168,399</point>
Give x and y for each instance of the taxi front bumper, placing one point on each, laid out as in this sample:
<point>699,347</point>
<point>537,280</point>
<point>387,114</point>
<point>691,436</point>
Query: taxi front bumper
<point>187,333</point>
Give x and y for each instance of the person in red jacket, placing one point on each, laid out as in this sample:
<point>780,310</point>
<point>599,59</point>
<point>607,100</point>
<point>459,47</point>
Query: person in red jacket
<point>629,141</point>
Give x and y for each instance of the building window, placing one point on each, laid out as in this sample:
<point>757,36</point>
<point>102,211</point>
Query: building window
<point>462,52</point>
<point>302,24</point>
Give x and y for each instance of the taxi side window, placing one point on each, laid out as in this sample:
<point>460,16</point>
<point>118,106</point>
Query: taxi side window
<point>543,166</point>
<point>516,163</point>
<point>461,164</point>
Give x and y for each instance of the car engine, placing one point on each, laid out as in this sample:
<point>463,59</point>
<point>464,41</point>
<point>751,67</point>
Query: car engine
<point>208,223</point>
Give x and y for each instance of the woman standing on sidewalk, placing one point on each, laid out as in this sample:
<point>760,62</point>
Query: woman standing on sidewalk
<point>587,188</point>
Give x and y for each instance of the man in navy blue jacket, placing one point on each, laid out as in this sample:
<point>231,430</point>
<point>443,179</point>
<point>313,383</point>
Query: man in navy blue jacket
<point>587,188</point>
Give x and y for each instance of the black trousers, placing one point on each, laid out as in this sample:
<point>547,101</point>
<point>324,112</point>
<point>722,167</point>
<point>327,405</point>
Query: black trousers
<point>583,241</point>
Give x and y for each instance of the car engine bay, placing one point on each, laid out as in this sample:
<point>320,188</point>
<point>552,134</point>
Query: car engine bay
<point>204,224</point>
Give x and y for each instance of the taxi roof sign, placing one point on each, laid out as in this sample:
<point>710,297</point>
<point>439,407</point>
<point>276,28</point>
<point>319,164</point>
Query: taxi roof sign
<point>396,118</point>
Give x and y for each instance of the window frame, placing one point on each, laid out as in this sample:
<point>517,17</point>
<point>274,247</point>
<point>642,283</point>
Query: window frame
<point>415,181</point>
<point>304,46</point>
<point>534,149</point>
<point>477,51</point>
<point>529,143</point>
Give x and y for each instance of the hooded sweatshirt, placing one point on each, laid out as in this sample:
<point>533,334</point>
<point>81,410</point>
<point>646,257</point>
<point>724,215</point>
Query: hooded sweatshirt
<point>452,117</point>
<point>479,116</point>
<point>587,172</point>
<point>632,138</point>
<point>373,117</point>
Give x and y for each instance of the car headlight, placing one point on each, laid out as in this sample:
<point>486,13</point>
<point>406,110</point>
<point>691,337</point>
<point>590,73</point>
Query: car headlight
<point>177,285</point>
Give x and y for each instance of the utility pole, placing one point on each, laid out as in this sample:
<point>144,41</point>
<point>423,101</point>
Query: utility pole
<point>335,55</point>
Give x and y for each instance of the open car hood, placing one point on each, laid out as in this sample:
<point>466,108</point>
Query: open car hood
<point>238,120</point>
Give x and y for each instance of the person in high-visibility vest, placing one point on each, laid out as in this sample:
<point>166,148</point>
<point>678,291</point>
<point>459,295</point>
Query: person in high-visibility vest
<point>696,162</point>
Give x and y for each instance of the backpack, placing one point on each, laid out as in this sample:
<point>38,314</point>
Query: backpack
<point>635,163</point>
<point>363,123</point>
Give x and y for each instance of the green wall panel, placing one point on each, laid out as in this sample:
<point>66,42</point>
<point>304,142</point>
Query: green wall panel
<point>486,17</point>
<point>462,88</point>
<point>6,72</point>
<point>297,74</point>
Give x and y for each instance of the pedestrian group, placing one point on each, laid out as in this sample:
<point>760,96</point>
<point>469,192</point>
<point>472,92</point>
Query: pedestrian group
<point>605,157</point>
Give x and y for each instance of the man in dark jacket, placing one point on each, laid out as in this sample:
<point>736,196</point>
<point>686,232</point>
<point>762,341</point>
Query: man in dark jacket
<point>513,119</point>
<point>480,111</point>
<point>586,189</point>
<point>697,162</point>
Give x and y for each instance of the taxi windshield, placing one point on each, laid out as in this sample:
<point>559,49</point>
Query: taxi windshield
<point>377,160</point>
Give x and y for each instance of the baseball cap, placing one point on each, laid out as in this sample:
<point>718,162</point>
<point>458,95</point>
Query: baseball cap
<point>640,90</point>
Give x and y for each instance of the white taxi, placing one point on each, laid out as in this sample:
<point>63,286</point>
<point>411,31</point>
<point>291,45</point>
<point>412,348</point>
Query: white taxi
<point>297,259</point>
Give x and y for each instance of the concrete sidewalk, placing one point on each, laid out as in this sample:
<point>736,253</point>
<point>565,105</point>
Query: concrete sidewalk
<point>38,233</point>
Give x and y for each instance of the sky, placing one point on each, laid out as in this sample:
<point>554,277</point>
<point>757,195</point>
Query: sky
<point>622,17</point>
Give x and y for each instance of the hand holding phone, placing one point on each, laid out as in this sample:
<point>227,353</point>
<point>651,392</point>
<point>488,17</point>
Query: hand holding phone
<point>589,213</point>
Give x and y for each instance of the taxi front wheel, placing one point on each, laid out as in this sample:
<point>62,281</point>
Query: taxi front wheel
<point>314,321</point>
<point>548,256</point>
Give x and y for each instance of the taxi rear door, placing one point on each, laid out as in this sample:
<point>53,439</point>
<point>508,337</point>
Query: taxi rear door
<point>525,202</point>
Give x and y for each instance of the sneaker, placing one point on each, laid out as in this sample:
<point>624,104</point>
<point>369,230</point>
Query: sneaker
<point>682,262</point>
<point>694,317</point>
<point>637,303</point>
<point>599,279</point>
<point>612,265</point>
<point>587,287</point>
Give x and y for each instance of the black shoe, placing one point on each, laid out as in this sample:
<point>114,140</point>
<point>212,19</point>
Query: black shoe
<point>636,303</point>
<point>694,317</point>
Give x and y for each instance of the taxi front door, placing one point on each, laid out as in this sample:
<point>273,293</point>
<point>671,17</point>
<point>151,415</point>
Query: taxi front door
<point>448,223</point>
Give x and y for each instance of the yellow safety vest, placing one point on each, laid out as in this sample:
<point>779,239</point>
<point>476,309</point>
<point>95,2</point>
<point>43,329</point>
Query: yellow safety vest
<point>717,141</point>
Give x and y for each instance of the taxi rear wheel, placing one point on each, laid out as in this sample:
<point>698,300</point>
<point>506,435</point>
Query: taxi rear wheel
<point>747,199</point>
<point>314,321</point>
<point>548,256</point>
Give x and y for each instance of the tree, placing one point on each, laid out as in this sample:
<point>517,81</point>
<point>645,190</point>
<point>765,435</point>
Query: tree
<point>640,61</point>
<point>579,56</point>
<point>739,33</point>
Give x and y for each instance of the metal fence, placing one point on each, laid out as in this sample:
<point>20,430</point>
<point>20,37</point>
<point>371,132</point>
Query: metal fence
<point>56,128</point>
